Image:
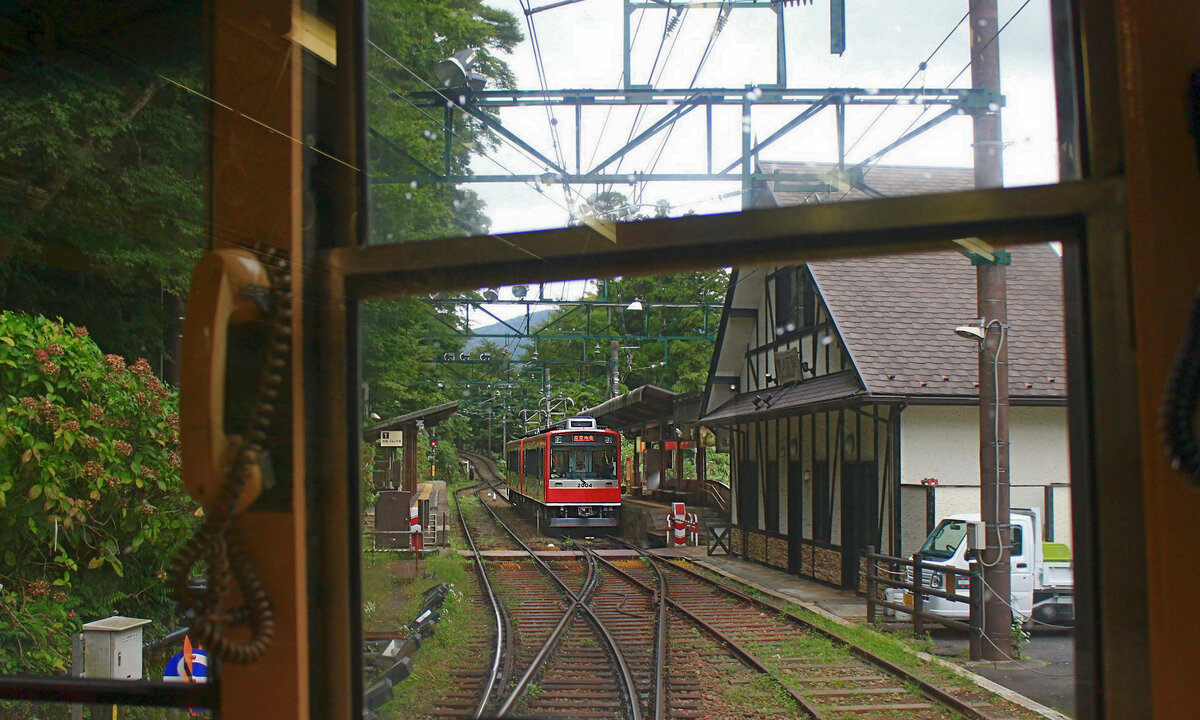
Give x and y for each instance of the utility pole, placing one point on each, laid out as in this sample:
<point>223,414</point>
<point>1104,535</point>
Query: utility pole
<point>993,356</point>
<point>614,369</point>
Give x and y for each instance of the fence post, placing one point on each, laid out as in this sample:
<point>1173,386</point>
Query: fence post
<point>976,616</point>
<point>918,585</point>
<point>871,584</point>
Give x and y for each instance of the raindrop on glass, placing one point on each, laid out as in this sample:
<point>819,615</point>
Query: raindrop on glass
<point>746,125</point>
<point>993,107</point>
<point>872,91</point>
<point>827,340</point>
<point>754,94</point>
<point>413,184</point>
<point>791,327</point>
<point>408,196</point>
<point>430,135</point>
<point>631,178</point>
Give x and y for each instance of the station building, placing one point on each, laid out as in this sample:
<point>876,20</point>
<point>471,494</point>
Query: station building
<point>850,406</point>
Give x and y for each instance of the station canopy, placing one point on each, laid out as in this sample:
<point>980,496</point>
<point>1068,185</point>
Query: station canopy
<point>429,416</point>
<point>644,407</point>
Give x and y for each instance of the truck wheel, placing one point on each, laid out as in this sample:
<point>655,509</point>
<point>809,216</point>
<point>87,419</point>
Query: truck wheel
<point>1047,614</point>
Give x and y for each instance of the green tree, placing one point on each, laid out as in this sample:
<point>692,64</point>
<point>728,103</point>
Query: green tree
<point>102,170</point>
<point>407,139</point>
<point>91,502</point>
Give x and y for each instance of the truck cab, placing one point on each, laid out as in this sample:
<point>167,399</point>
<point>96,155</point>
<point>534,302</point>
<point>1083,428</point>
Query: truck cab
<point>1042,583</point>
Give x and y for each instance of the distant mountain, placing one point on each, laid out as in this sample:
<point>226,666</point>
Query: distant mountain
<point>503,335</point>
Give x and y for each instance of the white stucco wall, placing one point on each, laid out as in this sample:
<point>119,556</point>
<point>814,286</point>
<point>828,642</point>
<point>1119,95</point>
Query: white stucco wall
<point>943,442</point>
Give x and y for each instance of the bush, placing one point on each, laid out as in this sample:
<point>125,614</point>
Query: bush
<point>89,486</point>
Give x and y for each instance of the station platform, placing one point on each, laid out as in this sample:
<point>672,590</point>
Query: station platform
<point>1043,680</point>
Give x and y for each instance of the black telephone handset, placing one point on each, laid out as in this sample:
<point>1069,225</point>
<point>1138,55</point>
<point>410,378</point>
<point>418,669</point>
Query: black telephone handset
<point>1179,402</point>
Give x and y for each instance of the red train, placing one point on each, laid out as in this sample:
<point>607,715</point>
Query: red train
<point>568,477</point>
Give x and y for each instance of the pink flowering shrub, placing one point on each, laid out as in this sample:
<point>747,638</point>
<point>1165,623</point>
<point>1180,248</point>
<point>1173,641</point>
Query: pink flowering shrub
<point>92,507</point>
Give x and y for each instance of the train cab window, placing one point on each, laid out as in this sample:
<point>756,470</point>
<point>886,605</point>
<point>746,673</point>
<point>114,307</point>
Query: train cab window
<point>331,196</point>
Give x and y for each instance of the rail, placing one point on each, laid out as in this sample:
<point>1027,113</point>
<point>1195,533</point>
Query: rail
<point>504,633</point>
<point>961,706</point>
<point>579,603</point>
<point>719,493</point>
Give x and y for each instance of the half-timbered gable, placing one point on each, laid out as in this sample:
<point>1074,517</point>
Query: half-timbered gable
<point>851,405</point>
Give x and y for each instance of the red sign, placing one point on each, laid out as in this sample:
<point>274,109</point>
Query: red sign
<point>584,438</point>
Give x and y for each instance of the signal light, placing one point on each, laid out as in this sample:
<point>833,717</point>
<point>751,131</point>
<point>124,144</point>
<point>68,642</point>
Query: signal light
<point>433,442</point>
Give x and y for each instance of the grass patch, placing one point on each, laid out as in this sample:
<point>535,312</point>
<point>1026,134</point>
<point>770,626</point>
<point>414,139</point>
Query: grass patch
<point>452,646</point>
<point>393,584</point>
<point>761,693</point>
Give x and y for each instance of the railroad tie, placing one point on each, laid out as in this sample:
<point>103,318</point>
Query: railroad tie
<point>878,708</point>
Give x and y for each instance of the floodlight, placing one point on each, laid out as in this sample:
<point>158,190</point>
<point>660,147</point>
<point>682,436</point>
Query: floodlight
<point>970,332</point>
<point>455,71</point>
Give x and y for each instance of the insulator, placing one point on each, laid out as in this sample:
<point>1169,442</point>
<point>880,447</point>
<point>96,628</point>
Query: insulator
<point>672,24</point>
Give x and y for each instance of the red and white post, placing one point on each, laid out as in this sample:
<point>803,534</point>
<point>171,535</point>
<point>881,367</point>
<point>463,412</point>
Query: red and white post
<point>693,528</point>
<point>414,527</point>
<point>679,523</point>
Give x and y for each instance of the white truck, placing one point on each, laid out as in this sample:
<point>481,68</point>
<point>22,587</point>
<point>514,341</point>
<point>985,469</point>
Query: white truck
<point>1043,580</point>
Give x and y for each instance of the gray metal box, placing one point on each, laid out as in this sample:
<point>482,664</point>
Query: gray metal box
<point>112,648</point>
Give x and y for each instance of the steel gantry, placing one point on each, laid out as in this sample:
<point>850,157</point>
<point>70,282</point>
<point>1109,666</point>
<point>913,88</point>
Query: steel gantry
<point>677,104</point>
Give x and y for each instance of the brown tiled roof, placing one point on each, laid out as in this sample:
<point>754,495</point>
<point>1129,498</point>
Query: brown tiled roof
<point>897,314</point>
<point>880,181</point>
<point>771,402</point>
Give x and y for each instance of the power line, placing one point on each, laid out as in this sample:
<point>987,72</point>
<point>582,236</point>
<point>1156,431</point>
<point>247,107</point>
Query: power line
<point>719,25</point>
<point>551,119</point>
<point>926,109</point>
<point>920,69</point>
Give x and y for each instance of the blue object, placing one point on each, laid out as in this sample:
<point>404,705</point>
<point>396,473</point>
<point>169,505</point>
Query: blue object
<point>176,670</point>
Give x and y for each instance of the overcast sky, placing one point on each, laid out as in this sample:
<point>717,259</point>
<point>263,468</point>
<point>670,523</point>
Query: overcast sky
<point>885,42</point>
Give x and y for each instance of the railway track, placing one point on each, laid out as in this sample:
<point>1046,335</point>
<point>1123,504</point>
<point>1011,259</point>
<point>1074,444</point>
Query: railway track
<point>687,639</point>
<point>573,664</point>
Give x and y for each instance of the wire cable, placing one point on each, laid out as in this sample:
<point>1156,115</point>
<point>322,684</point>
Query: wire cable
<point>551,119</point>
<point>718,26</point>
<point>920,69</point>
<point>926,109</point>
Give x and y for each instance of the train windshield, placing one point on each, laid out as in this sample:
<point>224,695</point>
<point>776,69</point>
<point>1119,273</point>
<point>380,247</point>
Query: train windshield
<point>584,463</point>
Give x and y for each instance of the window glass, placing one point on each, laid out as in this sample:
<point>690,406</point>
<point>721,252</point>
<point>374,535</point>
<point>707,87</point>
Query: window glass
<point>103,166</point>
<point>583,463</point>
<point>510,115</point>
<point>863,441</point>
<point>943,542</point>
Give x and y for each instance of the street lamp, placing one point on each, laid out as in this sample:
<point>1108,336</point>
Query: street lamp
<point>455,71</point>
